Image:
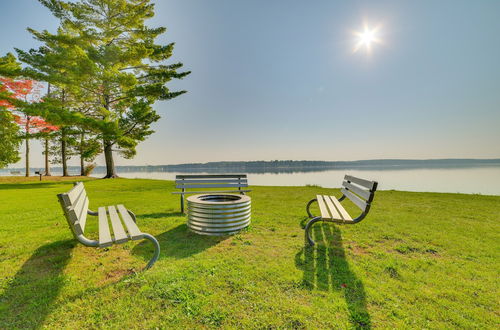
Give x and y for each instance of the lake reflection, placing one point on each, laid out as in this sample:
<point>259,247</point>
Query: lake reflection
<point>476,180</point>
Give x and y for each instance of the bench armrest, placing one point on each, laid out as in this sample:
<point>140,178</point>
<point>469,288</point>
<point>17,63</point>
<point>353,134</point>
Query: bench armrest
<point>90,212</point>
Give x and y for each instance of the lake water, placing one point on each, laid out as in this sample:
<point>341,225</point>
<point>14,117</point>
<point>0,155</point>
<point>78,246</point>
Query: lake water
<point>483,180</point>
<point>477,180</point>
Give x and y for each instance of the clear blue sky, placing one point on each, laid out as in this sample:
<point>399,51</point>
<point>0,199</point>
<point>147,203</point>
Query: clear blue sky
<point>279,80</point>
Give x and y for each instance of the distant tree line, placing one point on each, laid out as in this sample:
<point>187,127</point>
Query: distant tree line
<point>294,166</point>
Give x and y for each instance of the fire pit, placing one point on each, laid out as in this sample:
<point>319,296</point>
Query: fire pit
<point>218,214</point>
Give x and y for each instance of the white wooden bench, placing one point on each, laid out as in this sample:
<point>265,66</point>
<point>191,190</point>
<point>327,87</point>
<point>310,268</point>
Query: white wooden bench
<point>200,182</point>
<point>359,191</point>
<point>75,205</point>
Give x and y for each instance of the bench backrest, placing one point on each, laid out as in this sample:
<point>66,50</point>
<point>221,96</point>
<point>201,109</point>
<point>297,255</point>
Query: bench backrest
<point>359,191</point>
<point>75,204</point>
<point>204,181</point>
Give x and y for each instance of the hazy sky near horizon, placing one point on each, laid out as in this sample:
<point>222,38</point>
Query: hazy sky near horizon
<point>279,80</point>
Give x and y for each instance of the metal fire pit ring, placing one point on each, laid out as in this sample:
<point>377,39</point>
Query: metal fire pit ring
<point>218,214</point>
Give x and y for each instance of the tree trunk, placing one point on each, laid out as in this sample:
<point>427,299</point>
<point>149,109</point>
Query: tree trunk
<point>108,150</point>
<point>63,140</point>
<point>82,162</point>
<point>47,166</point>
<point>110,163</point>
<point>27,157</point>
<point>63,152</point>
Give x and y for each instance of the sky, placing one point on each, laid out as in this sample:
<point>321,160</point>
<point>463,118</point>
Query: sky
<point>280,80</point>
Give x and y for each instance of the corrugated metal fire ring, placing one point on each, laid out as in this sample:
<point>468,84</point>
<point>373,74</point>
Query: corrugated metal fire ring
<point>218,214</point>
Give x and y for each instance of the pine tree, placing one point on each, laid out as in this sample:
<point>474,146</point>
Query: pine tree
<point>104,50</point>
<point>9,131</point>
<point>9,139</point>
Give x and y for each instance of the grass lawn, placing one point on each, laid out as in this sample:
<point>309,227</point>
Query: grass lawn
<point>419,260</point>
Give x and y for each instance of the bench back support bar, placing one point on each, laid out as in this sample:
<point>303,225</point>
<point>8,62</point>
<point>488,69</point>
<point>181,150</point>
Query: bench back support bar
<point>359,191</point>
<point>235,183</point>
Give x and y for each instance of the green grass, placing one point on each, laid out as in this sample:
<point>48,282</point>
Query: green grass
<point>419,260</point>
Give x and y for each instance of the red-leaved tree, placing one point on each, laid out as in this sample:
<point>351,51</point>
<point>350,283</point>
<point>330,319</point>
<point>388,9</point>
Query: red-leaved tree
<point>31,126</point>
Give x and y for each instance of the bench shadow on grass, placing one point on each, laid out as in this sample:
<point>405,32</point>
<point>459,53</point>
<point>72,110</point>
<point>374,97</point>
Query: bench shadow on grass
<point>159,215</point>
<point>326,268</point>
<point>30,295</point>
<point>179,243</point>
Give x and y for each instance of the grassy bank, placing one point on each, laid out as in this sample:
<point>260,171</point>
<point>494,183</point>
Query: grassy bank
<point>419,260</point>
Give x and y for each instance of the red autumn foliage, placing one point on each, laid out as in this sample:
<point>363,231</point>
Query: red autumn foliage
<point>20,89</point>
<point>26,90</point>
<point>34,124</point>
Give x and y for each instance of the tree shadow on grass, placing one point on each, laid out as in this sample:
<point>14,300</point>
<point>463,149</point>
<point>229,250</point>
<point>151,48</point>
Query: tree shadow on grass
<point>32,185</point>
<point>326,268</point>
<point>29,296</point>
<point>179,243</point>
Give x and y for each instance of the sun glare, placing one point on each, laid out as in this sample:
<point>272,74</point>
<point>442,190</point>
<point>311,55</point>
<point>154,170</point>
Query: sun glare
<point>366,38</point>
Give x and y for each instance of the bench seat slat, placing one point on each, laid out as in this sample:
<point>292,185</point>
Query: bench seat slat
<point>133,231</point>
<point>357,190</point>
<point>211,191</point>
<point>104,233</point>
<point>322,207</point>
<point>362,182</point>
<point>343,213</point>
<point>333,210</point>
<point>355,199</point>
<point>118,230</point>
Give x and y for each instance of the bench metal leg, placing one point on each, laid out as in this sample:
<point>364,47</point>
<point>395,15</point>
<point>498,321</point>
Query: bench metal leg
<point>157,250</point>
<point>308,227</point>
<point>309,205</point>
<point>182,203</point>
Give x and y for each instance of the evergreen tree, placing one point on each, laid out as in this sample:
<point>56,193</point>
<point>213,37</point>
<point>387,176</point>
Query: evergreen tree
<point>87,148</point>
<point>104,49</point>
<point>9,140</point>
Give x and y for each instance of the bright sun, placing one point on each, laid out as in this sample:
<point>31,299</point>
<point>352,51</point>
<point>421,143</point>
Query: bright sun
<point>367,38</point>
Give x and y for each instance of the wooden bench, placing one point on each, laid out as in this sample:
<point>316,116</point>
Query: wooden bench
<point>75,205</point>
<point>213,181</point>
<point>359,191</point>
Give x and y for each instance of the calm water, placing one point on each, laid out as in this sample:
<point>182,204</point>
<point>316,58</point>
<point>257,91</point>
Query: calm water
<point>480,180</point>
<point>473,180</point>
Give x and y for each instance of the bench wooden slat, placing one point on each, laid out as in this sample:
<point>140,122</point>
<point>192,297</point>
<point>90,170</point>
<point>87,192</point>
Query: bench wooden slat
<point>355,199</point>
<point>118,231</point>
<point>203,176</point>
<point>133,231</point>
<point>104,233</point>
<point>82,217</point>
<point>70,214</point>
<point>79,203</point>
<point>211,191</point>
<point>322,207</point>
<point>333,210</point>
<point>189,181</point>
<point>362,182</point>
<point>75,192</point>
<point>357,190</point>
<point>187,186</point>
<point>343,213</point>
